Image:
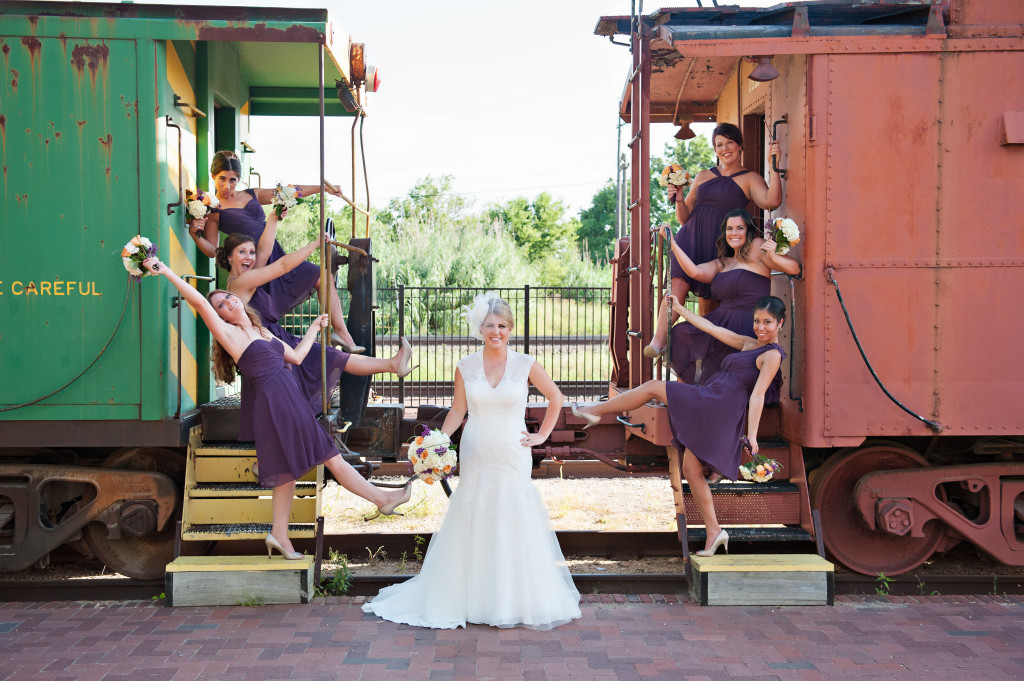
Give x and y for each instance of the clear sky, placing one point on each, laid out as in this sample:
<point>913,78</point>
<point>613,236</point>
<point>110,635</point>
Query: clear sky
<point>510,98</point>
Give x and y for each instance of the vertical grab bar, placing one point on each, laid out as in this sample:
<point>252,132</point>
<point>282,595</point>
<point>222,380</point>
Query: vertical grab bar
<point>181,179</point>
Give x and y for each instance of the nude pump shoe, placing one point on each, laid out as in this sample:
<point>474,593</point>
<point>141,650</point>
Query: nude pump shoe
<point>721,539</point>
<point>272,544</point>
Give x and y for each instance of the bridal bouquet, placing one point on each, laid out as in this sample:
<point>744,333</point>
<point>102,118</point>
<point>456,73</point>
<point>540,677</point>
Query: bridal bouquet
<point>760,468</point>
<point>674,175</point>
<point>784,232</point>
<point>134,253</point>
<point>432,455</point>
<point>198,204</point>
<point>285,196</point>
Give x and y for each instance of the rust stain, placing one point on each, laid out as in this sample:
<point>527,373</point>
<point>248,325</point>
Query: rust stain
<point>34,20</point>
<point>3,130</point>
<point>91,56</point>
<point>14,81</point>
<point>6,49</point>
<point>34,48</point>
<point>108,172</point>
<point>260,33</point>
<point>107,142</point>
<point>81,124</point>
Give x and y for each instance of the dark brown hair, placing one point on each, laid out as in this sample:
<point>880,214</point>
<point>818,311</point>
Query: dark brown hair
<point>227,160</point>
<point>773,306</point>
<point>727,251</point>
<point>230,244</point>
<point>729,132</point>
<point>224,366</point>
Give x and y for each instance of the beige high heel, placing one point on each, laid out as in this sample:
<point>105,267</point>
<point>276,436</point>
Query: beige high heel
<point>272,543</point>
<point>389,509</point>
<point>403,367</point>
<point>591,419</point>
<point>652,352</point>
<point>721,539</point>
<point>350,349</point>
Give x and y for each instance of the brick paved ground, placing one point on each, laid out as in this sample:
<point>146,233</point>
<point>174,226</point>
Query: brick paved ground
<point>979,638</point>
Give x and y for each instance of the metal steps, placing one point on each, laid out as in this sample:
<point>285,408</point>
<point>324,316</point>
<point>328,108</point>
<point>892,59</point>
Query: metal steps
<point>778,510</point>
<point>224,501</point>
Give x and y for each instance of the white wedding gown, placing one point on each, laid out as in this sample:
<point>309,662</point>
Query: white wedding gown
<point>495,559</point>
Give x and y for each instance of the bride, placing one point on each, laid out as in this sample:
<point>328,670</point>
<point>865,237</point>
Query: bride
<point>495,559</point>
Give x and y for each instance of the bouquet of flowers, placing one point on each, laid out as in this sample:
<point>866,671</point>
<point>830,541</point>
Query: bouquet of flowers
<point>760,468</point>
<point>134,253</point>
<point>675,175</point>
<point>432,455</point>
<point>783,232</point>
<point>198,204</point>
<point>285,196</point>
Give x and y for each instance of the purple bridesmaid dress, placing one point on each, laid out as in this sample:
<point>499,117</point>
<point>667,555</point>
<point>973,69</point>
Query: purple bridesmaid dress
<point>699,235</point>
<point>289,289</point>
<point>307,374</point>
<point>289,441</point>
<point>738,290</point>
<point>709,419</point>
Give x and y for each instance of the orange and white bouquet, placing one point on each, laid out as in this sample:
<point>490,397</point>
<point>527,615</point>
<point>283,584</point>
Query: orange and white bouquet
<point>432,455</point>
<point>760,468</point>
<point>784,232</point>
<point>285,196</point>
<point>674,175</point>
<point>134,253</point>
<point>198,204</point>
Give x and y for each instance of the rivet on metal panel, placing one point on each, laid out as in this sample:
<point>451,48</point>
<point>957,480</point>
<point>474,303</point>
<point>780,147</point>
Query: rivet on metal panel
<point>936,347</point>
<point>828,427</point>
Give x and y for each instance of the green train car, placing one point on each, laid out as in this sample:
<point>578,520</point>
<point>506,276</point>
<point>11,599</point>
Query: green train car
<point>108,112</point>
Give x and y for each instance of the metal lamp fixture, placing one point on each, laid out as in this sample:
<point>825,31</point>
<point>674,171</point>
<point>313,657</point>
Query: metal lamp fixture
<point>684,132</point>
<point>764,71</point>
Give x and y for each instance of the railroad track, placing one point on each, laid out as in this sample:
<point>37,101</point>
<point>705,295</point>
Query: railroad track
<point>620,545</point>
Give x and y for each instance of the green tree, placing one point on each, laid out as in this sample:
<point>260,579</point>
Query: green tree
<point>596,234</point>
<point>694,155</point>
<point>430,201</point>
<point>539,226</point>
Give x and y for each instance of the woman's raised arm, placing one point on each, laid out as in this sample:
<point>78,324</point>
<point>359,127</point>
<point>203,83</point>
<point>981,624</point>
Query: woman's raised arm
<point>298,353</point>
<point>220,329</point>
<point>776,261</point>
<point>730,338</point>
<point>704,272</point>
<point>768,196</point>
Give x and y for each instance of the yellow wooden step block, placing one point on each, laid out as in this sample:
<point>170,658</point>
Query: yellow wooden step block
<point>244,490</point>
<point>762,579</point>
<point>208,511</point>
<point>238,580</point>
<point>233,469</point>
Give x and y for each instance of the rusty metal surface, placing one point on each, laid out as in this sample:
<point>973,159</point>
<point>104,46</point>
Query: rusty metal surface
<point>111,497</point>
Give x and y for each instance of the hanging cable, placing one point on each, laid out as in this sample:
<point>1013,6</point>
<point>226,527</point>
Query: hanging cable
<point>937,427</point>
<point>124,308</point>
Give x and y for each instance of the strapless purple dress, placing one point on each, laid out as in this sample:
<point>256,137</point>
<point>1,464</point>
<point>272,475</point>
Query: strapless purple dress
<point>289,289</point>
<point>289,441</point>
<point>709,419</point>
<point>738,290</point>
<point>698,237</point>
<point>307,374</point>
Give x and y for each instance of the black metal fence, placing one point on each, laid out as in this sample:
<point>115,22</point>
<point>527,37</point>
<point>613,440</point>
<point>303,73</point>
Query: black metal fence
<point>565,329</point>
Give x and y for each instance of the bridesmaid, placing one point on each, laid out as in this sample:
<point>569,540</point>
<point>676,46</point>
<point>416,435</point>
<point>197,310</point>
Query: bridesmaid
<point>739,278</point>
<point>707,420</point>
<point>714,193</point>
<point>242,213</point>
<point>249,272</point>
<point>289,441</point>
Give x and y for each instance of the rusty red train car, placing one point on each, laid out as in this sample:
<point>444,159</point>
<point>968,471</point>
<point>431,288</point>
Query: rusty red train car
<point>902,132</point>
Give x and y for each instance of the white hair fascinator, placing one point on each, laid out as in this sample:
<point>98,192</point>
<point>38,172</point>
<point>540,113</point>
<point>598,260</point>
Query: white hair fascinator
<point>477,312</point>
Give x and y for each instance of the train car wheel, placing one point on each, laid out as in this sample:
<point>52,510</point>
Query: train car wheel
<point>140,557</point>
<point>847,537</point>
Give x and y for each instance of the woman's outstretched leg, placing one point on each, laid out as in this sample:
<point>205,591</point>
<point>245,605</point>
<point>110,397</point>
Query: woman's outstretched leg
<point>693,472</point>
<point>282,498</point>
<point>629,400</point>
<point>337,316</point>
<point>361,365</point>
<point>351,480</point>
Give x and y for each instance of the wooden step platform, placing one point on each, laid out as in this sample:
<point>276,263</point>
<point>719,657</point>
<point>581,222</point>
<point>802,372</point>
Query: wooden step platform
<point>762,579</point>
<point>238,580</point>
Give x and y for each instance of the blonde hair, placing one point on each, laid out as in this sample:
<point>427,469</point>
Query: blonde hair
<point>500,309</point>
<point>224,366</point>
